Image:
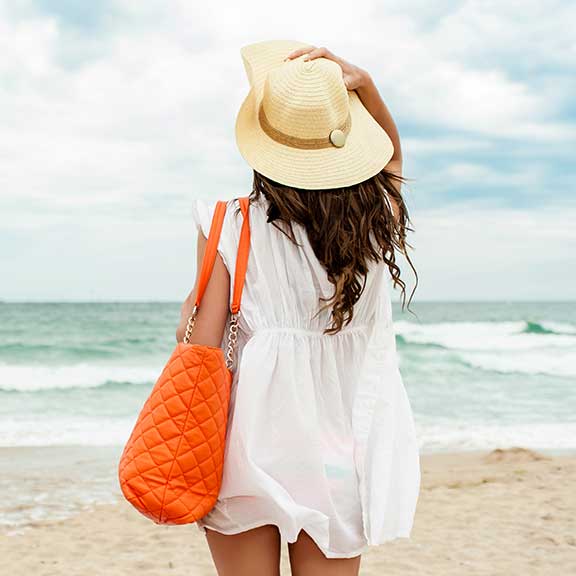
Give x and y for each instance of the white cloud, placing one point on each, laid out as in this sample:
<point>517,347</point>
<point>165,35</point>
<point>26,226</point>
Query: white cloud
<point>443,144</point>
<point>466,251</point>
<point>525,32</point>
<point>144,118</point>
<point>464,173</point>
<point>27,49</point>
<point>480,252</point>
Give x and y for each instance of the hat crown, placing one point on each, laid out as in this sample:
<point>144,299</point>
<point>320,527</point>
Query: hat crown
<point>306,99</point>
<point>300,126</point>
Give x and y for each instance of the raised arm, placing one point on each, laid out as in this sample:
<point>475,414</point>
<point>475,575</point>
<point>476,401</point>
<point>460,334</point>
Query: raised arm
<point>371,98</point>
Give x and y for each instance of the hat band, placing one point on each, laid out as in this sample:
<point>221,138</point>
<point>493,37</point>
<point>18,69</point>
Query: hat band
<point>295,141</point>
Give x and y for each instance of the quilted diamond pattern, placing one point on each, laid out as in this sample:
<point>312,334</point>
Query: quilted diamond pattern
<point>171,467</point>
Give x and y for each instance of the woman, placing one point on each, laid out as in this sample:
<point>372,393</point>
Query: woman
<point>321,450</point>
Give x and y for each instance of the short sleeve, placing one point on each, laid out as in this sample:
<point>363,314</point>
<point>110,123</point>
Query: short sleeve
<point>202,213</point>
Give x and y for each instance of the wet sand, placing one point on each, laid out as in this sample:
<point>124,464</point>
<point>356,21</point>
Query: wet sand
<point>502,512</point>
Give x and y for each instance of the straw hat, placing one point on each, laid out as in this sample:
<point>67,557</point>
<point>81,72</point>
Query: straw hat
<point>301,127</point>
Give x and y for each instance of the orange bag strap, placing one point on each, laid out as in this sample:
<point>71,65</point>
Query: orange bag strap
<point>242,256</point>
<point>212,249</point>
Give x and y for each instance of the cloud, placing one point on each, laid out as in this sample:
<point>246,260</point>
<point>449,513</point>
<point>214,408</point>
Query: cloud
<point>525,35</point>
<point>152,113</point>
<point>442,144</point>
<point>465,173</point>
<point>465,251</point>
<point>116,114</point>
<point>86,16</point>
<point>473,251</point>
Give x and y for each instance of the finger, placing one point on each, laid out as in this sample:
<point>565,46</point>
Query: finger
<point>321,52</point>
<point>299,52</point>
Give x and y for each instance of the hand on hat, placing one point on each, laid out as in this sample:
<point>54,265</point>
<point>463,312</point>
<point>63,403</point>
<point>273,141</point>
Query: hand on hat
<point>356,78</point>
<point>353,76</point>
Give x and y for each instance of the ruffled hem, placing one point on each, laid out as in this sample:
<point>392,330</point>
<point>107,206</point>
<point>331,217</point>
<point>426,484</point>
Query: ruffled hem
<point>286,539</point>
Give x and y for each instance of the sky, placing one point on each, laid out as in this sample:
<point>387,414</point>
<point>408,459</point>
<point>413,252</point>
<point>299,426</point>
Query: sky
<point>116,114</point>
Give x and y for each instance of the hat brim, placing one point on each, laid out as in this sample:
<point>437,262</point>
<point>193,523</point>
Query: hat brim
<point>367,150</point>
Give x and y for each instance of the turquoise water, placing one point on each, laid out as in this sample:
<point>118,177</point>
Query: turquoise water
<point>479,375</point>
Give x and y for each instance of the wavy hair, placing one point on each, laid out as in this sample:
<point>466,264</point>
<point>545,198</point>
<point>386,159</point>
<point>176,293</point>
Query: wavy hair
<point>347,228</point>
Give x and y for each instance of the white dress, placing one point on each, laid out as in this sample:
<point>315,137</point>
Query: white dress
<point>320,434</point>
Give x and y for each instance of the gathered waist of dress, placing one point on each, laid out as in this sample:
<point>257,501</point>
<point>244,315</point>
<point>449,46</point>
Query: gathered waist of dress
<point>314,332</point>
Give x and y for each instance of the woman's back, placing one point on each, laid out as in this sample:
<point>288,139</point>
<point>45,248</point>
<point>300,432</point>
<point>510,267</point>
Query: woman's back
<point>320,434</point>
<point>285,280</point>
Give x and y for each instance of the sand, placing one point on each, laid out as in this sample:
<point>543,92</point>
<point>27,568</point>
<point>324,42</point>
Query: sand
<point>504,512</point>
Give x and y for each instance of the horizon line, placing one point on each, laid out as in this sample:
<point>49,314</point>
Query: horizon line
<point>154,301</point>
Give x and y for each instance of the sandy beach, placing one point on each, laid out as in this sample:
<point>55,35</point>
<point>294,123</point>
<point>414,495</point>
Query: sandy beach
<point>498,512</point>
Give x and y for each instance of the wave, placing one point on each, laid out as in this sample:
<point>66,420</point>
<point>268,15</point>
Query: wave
<point>496,336</point>
<point>550,328</point>
<point>433,437</point>
<point>533,362</point>
<point>26,378</point>
<point>404,342</point>
<point>74,351</point>
<point>65,431</point>
<point>537,328</point>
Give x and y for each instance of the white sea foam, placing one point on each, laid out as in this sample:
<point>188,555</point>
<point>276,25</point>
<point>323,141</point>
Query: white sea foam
<point>64,430</point>
<point>499,336</point>
<point>551,362</point>
<point>464,436</point>
<point>432,436</point>
<point>559,327</point>
<point>31,378</point>
<point>505,347</point>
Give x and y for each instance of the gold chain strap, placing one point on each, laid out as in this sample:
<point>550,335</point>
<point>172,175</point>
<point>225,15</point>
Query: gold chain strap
<point>190,325</point>
<point>232,335</point>
<point>232,340</point>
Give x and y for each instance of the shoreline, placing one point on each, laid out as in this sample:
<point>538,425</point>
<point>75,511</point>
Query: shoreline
<point>39,473</point>
<point>501,511</point>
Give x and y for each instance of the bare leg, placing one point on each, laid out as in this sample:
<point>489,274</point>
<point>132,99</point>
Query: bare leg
<point>254,552</point>
<point>306,559</point>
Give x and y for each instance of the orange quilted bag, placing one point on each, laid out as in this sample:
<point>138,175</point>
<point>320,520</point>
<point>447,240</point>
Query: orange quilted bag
<point>171,467</point>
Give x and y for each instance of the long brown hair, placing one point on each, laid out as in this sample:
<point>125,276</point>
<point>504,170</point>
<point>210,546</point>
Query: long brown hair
<point>347,227</point>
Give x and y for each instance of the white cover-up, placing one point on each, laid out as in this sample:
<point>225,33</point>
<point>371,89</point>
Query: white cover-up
<point>320,434</point>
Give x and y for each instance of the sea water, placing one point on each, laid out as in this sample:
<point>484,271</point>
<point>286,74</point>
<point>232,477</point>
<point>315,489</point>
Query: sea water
<point>73,377</point>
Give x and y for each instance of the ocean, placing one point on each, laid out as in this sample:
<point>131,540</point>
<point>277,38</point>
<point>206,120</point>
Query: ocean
<point>73,377</point>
